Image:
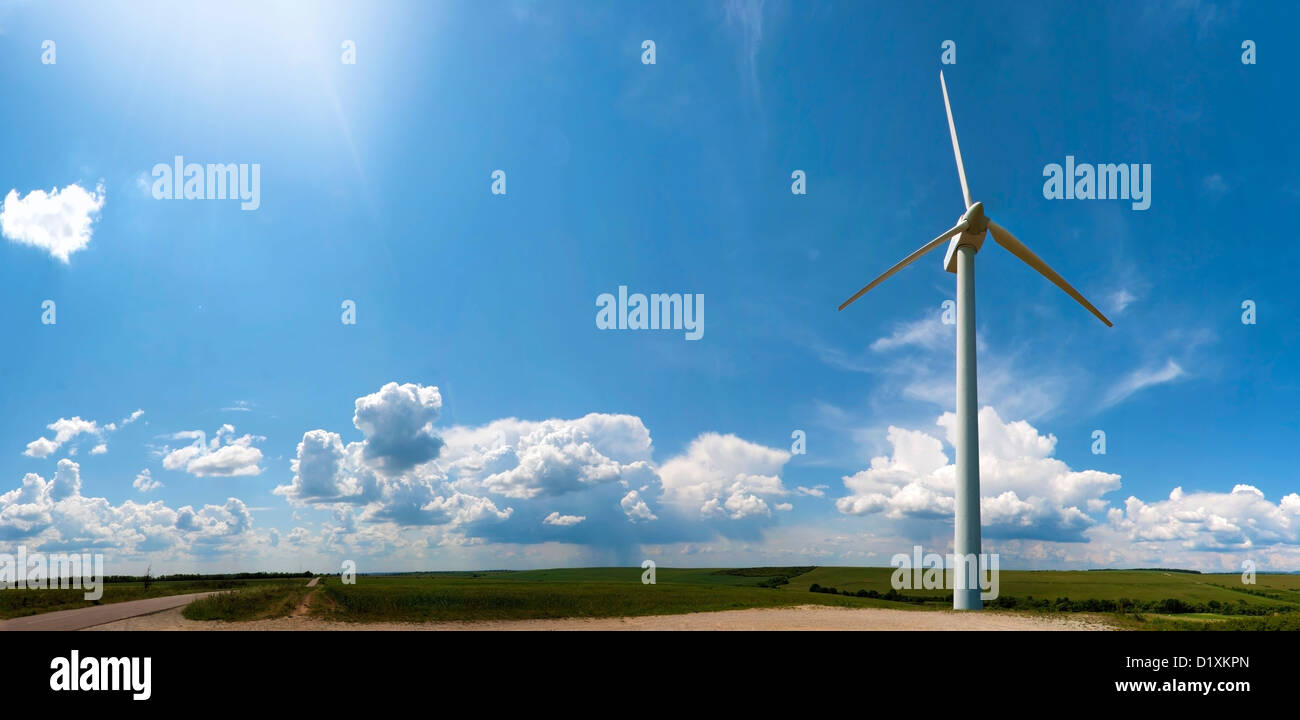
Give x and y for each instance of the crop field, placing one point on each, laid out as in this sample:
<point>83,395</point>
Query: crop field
<point>1137,585</point>
<point>1136,599</point>
<point>1146,598</point>
<point>587,592</point>
<point>254,602</point>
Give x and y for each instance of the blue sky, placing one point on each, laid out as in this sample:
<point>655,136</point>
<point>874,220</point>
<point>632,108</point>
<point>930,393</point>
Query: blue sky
<point>475,397</point>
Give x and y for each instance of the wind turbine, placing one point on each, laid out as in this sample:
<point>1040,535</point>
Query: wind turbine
<point>964,240</point>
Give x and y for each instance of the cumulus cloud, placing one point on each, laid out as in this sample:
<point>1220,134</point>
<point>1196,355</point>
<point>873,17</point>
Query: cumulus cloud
<point>224,456</point>
<point>1242,519</point>
<point>54,514</point>
<point>58,222</point>
<point>723,474</point>
<point>523,459</point>
<point>635,508</point>
<point>555,518</point>
<point>510,479</point>
<point>326,471</point>
<point>144,481</point>
<point>398,424</point>
<point>1026,493</point>
<point>66,430</point>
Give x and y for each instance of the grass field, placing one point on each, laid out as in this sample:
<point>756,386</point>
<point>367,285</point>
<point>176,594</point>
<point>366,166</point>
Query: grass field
<point>612,592</point>
<point>255,602</point>
<point>588,592</point>
<point>1138,585</point>
<point>1137,599</point>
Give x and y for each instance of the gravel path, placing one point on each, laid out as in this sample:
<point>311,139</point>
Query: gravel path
<point>804,617</point>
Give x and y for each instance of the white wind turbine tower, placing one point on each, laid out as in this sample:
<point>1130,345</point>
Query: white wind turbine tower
<point>966,238</point>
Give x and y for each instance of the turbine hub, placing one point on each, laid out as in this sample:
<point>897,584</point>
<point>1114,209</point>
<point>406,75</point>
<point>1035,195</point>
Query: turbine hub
<point>975,217</point>
<point>977,226</point>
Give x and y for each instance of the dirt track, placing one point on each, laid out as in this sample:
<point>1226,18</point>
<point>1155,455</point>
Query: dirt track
<point>804,617</point>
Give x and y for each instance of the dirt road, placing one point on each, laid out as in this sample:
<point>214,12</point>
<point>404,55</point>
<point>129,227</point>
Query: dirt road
<point>805,617</point>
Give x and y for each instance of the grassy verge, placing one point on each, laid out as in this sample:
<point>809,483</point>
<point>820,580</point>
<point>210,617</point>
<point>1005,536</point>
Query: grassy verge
<point>250,603</point>
<point>1207,621</point>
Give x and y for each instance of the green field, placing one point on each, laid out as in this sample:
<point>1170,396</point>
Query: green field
<point>587,592</point>
<point>1137,585</point>
<point>1199,601</point>
<point>1137,599</point>
<point>255,602</point>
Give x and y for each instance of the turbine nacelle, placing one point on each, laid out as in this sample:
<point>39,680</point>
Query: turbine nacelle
<point>977,225</point>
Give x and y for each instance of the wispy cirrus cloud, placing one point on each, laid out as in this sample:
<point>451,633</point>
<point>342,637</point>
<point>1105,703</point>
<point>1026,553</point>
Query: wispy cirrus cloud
<point>746,16</point>
<point>1119,300</point>
<point>1215,186</point>
<point>1141,379</point>
<point>929,333</point>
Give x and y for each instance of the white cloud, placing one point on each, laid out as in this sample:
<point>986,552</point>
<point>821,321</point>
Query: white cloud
<point>1143,378</point>
<point>724,474</point>
<point>635,508</point>
<point>224,456</point>
<point>66,430</point>
<point>325,471</point>
<point>928,332</point>
<point>524,460</point>
<point>398,424</point>
<point>914,362</point>
<point>747,17</point>
<point>144,482</point>
<point>1120,300</point>
<point>41,447</point>
<point>502,481</point>
<point>1214,185</point>
<point>1243,519</point>
<point>54,513</point>
<point>1026,492</point>
<point>58,222</point>
<point>559,520</point>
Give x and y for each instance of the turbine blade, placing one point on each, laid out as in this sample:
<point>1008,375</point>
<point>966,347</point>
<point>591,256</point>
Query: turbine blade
<point>1017,248</point>
<point>959,227</point>
<point>956,149</point>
